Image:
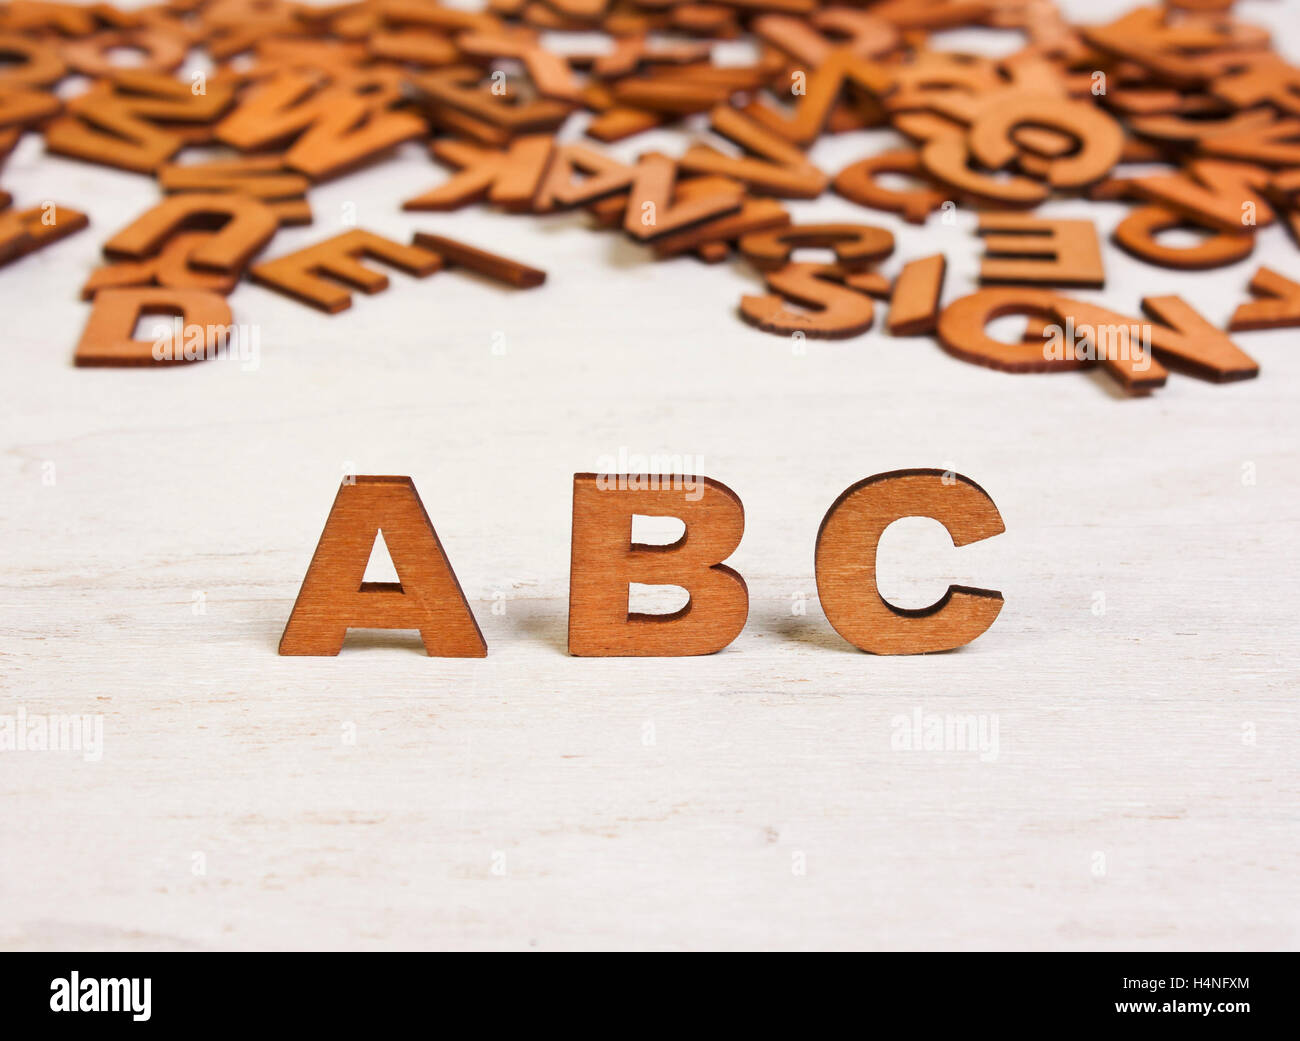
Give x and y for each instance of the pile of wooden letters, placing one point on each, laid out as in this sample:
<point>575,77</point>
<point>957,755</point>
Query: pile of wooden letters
<point>515,100</point>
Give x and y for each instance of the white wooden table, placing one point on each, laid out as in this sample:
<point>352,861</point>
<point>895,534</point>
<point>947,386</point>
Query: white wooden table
<point>1144,786</point>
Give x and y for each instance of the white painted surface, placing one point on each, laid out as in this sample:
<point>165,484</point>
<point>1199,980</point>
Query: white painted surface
<point>1125,735</point>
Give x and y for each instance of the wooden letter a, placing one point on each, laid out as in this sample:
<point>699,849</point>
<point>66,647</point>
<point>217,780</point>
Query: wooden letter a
<point>427,596</point>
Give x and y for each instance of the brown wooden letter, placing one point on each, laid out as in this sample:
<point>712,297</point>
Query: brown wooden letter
<point>108,339</point>
<point>605,560</point>
<point>299,274</point>
<point>1021,249</point>
<point>243,226</point>
<point>856,246</point>
<point>858,183</point>
<point>914,305</point>
<point>1277,306</point>
<point>334,596</point>
<point>1137,235</point>
<point>828,311</point>
<point>846,562</point>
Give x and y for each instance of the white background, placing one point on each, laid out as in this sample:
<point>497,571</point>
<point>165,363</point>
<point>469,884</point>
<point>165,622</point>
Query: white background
<point>1145,789</point>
